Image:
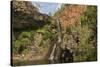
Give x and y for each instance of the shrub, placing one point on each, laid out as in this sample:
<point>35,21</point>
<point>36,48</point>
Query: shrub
<point>20,44</point>
<point>25,35</point>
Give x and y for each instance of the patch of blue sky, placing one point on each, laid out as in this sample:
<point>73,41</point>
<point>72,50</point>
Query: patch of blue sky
<point>47,8</point>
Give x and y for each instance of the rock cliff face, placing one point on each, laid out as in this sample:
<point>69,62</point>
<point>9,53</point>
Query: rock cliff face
<point>71,14</point>
<point>25,15</point>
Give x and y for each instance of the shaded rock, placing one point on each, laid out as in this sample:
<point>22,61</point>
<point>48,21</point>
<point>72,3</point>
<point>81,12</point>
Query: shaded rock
<point>26,15</point>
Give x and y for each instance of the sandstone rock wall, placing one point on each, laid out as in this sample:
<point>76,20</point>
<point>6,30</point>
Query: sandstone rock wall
<point>71,14</point>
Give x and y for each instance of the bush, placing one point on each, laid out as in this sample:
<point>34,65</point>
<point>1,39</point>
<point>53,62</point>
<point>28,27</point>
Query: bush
<point>20,44</point>
<point>25,35</point>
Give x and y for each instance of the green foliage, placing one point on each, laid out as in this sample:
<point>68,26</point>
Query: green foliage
<point>89,17</point>
<point>25,35</point>
<point>42,36</point>
<point>16,46</point>
<point>24,39</point>
<point>20,45</point>
<point>86,49</point>
<point>37,37</point>
<point>47,33</point>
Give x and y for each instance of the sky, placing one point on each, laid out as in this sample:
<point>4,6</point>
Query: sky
<point>47,8</point>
